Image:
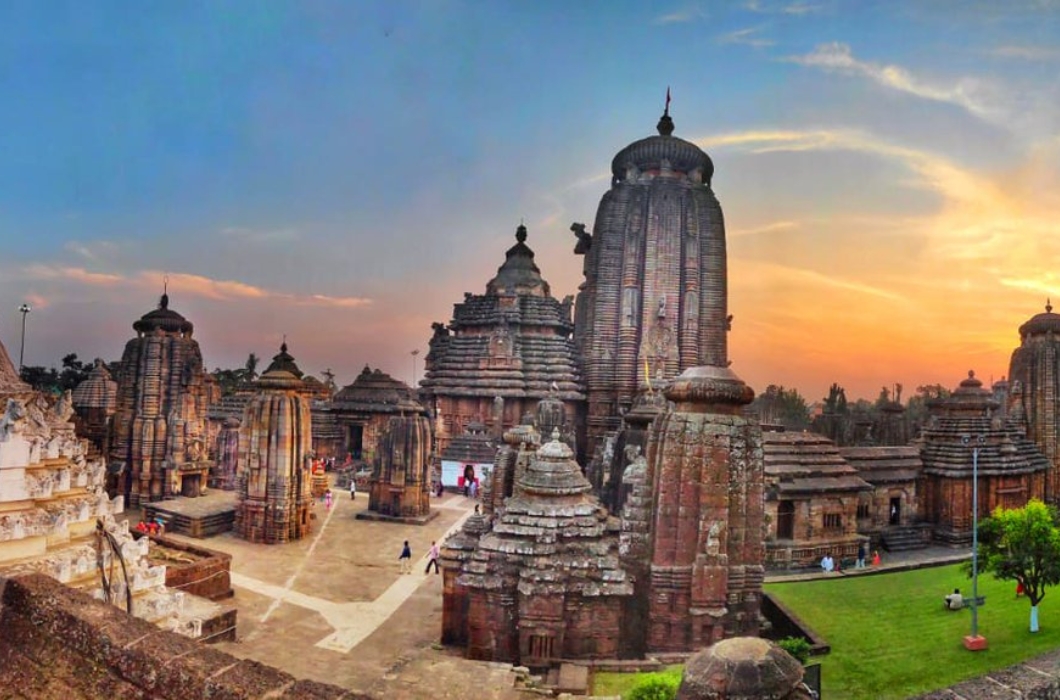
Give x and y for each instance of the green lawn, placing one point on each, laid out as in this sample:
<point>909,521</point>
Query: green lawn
<point>891,637</point>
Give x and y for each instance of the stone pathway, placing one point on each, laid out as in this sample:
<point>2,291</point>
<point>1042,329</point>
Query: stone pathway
<point>352,622</point>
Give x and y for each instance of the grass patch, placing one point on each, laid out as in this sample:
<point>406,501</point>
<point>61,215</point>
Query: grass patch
<point>891,637</point>
<point>610,683</point>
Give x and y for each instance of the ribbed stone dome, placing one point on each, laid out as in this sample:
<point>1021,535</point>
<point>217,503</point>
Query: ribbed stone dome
<point>1042,323</point>
<point>163,318</point>
<point>519,274</point>
<point>651,153</point>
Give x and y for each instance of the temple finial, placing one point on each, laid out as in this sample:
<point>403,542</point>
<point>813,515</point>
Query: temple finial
<point>283,345</point>
<point>163,303</point>
<point>666,124</point>
<point>1048,306</point>
<point>520,233</point>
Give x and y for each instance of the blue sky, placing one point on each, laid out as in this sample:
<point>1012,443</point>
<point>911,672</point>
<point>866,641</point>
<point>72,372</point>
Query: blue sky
<point>342,172</point>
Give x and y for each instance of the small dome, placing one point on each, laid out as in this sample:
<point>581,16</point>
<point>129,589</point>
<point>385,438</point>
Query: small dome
<point>648,154</point>
<point>163,318</point>
<point>1041,324</point>
<point>741,668</point>
<point>519,274</point>
<point>98,390</point>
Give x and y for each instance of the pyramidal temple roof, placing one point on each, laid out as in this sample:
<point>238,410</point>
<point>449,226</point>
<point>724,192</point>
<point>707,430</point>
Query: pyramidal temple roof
<point>10,383</point>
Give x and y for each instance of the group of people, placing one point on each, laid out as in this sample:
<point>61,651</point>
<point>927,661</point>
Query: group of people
<point>405,558</point>
<point>152,527</point>
<point>828,564</point>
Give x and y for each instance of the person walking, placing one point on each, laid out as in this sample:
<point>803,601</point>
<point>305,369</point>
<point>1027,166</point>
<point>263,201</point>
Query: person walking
<point>353,488</point>
<point>405,560</point>
<point>861,557</point>
<point>432,558</point>
<point>327,499</point>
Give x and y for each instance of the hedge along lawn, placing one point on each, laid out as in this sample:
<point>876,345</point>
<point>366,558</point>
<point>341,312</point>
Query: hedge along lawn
<point>892,638</point>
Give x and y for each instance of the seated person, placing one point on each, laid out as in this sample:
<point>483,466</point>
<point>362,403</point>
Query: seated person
<point>954,601</point>
<point>827,564</point>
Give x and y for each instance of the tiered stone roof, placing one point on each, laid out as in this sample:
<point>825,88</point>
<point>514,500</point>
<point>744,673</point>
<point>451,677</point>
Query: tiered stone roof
<point>285,362</point>
<point>373,391</point>
<point>962,418</point>
<point>807,463</point>
<point>513,341</point>
<point>884,465</point>
<point>552,536</point>
<point>474,446</point>
<point>98,390</point>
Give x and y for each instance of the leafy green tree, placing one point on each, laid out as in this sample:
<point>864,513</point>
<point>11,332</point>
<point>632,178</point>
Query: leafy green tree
<point>45,379</point>
<point>782,406</point>
<point>250,369</point>
<point>1023,545</point>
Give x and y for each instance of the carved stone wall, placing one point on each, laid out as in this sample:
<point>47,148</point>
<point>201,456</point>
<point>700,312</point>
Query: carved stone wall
<point>400,485</point>
<point>274,448</point>
<point>160,436</point>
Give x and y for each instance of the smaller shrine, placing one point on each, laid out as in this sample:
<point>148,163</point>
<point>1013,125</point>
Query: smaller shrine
<point>362,411</point>
<point>544,582</point>
<point>965,436</point>
<point>468,457</point>
<point>812,500</point>
<point>400,486</point>
<point>891,514</point>
<point>95,401</point>
<point>275,440</point>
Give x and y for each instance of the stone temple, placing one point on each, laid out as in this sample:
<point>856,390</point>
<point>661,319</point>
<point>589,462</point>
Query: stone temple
<point>679,464</point>
<point>160,441</point>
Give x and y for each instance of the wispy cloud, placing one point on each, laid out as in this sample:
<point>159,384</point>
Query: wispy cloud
<point>746,37</point>
<point>1027,53</point>
<point>689,13</point>
<point>90,250</point>
<point>765,228</point>
<point>789,8</point>
<point>185,284</point>
<point>251,235</point>
<point>837,57</point>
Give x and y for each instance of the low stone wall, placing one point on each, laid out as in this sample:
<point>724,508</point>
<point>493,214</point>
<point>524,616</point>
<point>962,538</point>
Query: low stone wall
<point>58,642</point>
<point>785,623</point>
<point>208,574</point>
<point>1037,679</point>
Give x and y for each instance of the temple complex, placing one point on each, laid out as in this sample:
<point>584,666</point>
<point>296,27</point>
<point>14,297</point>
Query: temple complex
<point>1011,469</point>
<point>95,401</point>
<point>362,411</point>
<point>813,499</point>
<point>545,582</point>
<point>512,343</point>
<point>654,300</point>
<point>160,440</point>
<point>274,451</point>
<point>1034,390</point>
<point>400,486</point>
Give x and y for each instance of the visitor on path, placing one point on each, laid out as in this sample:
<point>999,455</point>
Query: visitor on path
<point>861,556</point>
<point>432,558</point>
<point>405,560</point>
<point>827,564</point>
<point>474,489</point>
<point>876,558</point>
<point>327,499</point>
<point>353,488</point>
<point>954,601</point>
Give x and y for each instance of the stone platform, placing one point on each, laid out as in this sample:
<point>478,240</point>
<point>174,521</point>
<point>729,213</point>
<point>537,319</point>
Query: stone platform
<point>379,517</point>
<point>201,517</point>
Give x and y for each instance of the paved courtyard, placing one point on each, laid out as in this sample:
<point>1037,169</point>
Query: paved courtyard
<point>334,607</point>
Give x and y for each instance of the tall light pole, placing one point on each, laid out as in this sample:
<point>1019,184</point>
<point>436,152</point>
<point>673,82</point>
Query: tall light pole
<point>974,642</point>
<point>24,310</point>
<point>414,353</point>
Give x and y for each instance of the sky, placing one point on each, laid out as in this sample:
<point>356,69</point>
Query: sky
<point>341,173</point>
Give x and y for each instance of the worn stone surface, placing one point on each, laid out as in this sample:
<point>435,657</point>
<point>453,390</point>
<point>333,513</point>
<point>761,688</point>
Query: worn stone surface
<point>55,642</point>
<point>160,437</point>
<point>1034,390</point>
<point>742,668</point>
<point>274,449</point>
<point>513,342</point>
<point>400,483</point>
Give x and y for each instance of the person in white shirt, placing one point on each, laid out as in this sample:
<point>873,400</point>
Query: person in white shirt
<point>955,601</point>
<point>827,564</point>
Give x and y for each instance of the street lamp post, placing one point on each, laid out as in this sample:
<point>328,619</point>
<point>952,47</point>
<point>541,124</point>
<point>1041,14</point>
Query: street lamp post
<point>24,310</point>
<point>974,642</point>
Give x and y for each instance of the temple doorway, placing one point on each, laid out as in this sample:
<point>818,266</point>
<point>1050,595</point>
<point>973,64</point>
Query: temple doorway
<point>785,520</point>
<point>896,510</point>
<point>355,444</point>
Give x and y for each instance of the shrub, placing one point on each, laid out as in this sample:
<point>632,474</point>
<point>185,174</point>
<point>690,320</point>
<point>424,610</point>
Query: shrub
<point>797,647</point>
<point>655,686</point>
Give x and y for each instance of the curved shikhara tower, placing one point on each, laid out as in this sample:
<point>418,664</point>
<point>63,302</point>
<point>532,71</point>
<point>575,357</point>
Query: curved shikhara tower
<point>654,300</point>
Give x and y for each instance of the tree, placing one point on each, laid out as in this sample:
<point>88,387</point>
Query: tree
<point>250,369</point>
<point>1023,545</point>
<point>782,406</point>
